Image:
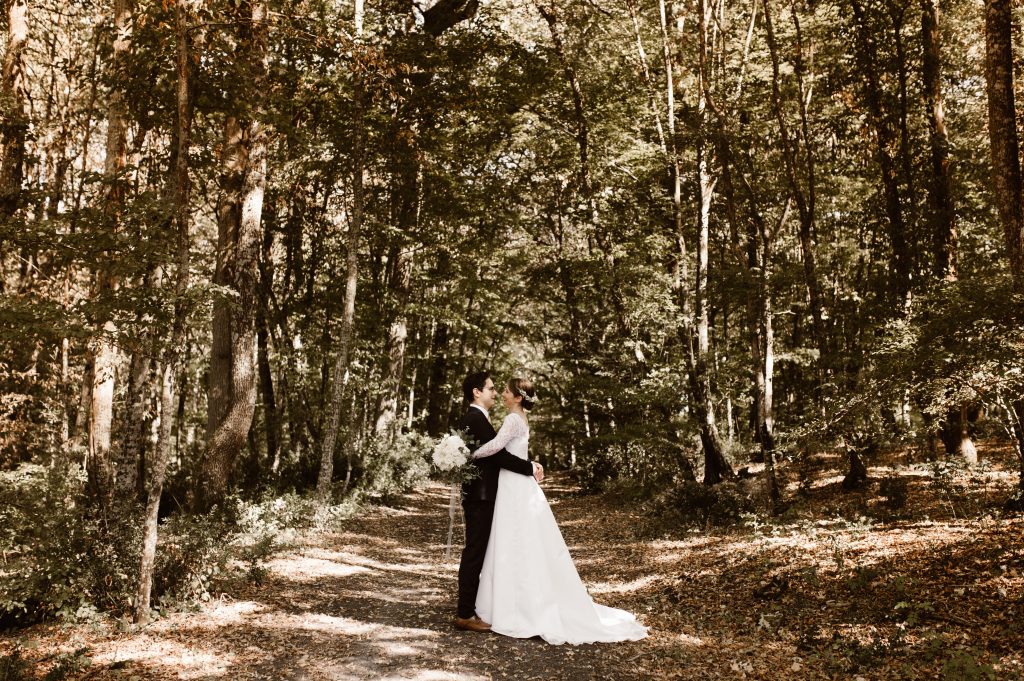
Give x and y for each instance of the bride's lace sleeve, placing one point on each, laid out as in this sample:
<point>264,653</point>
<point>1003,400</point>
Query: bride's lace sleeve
<point>511,428</point>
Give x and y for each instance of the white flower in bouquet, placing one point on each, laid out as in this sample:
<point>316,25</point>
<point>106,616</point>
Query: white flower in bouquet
<point>450,453</point>
<point>451,457</point>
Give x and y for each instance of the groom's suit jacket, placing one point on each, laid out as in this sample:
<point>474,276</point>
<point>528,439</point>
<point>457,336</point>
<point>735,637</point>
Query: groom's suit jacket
<point>485,486</point>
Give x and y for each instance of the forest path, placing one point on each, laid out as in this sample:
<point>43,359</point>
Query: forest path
<point>375,600</point>
<point>818,597</point>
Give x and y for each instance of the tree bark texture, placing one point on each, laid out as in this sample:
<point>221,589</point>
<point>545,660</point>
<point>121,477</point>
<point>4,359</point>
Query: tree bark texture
<point>233,373</point>
<point>157,468</point>
<point>13,113</point>
<point>1004,145</point>
<point>942,210</point>
<point>103,349</point>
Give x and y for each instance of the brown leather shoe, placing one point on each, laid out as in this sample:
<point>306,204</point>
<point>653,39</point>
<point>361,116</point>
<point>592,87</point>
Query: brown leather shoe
<point>473,623</point>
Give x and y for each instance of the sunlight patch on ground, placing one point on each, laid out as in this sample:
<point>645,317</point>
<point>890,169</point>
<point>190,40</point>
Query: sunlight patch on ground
<point>233,612</point>
<point>346,626</point>
<point>437,675</point>
<point>354,671</point>
<point>305,568</point>
<point>623,587</point>
<point>690,641</point>
<point>424,568</point>
<point>187,662</point>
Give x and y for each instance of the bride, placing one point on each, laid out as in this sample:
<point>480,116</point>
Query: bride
<point>529,585</point>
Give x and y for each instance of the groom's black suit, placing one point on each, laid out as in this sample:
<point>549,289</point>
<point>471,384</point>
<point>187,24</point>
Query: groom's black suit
<point>478,504</point>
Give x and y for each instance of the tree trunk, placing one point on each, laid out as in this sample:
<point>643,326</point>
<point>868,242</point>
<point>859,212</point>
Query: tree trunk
<point>104,351</point>
<point>1002,132</point>
<point>14,119</point>
<point>131,450</point>
<point>956,435</point>
<point>857,473</point>
<point>398,331</point>
<point>156,471</point>
<point>942,212</point>
<point>716,468</point>
<point>239,214</point>
<point>438,398</point>
<point>791,144</point>
<point>339,373</point>
<point>885,142</point>
<point>271,413</point>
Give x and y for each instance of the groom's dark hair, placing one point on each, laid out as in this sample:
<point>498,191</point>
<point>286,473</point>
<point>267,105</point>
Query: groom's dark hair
<point>477,380</point>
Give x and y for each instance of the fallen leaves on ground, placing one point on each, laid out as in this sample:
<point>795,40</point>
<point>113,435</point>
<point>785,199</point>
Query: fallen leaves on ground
<point>823,592</point>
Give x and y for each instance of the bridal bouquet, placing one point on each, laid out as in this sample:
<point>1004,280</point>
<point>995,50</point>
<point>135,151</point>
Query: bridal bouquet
<point>451,459</point>
<point>450,453</point>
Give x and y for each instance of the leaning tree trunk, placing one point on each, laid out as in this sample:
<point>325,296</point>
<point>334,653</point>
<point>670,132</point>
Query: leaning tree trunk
<point>340,370</point>
<point>104,352</point>
<point>156,471</point>
<point>233,374</point>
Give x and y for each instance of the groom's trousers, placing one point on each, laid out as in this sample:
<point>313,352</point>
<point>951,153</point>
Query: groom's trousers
<point>478,533</point>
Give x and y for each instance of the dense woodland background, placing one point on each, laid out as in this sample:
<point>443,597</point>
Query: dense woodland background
<point>250,248</point>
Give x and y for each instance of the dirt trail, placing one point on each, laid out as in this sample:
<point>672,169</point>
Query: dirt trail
<point>374,601</point>
<point>811,598</point>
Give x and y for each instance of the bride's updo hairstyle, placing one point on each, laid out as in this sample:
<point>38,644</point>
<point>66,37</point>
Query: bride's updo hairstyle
<point>522,387</point>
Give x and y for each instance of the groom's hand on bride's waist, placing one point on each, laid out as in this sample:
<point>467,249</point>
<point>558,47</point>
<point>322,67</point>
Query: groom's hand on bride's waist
<point>538,471</point>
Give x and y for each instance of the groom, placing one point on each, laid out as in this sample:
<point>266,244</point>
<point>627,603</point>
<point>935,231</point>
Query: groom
<point>478,494</point>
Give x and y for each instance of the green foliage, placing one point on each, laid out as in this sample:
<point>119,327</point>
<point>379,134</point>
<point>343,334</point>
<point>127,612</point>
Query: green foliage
<point>894,488</point>
<point>63,561</point>
<point>60,558</point>
<point>393,469</point>
<point>691,504</point>
<point>968,665</point>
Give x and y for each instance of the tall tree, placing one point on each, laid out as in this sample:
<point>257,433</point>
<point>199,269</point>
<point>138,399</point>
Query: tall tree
<point>104,350</point>
<point>340,370</point>
<point>1004,145</point>
<point>802,189</point>
<point>942,210</point>
<point>233,375</point>
<point>716,467</point>
<point>171,360</point>
<point>885,146</point>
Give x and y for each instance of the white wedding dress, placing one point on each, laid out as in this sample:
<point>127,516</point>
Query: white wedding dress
<point>529,585</point>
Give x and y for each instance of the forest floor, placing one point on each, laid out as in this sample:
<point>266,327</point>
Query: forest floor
<point>839,587</point>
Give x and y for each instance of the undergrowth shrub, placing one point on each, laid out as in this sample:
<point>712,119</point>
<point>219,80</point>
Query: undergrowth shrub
<point>631,469</point>
<point>691,504</point>
<point>60,559</point>
<point>894,489</point>
<point>391,470</point>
